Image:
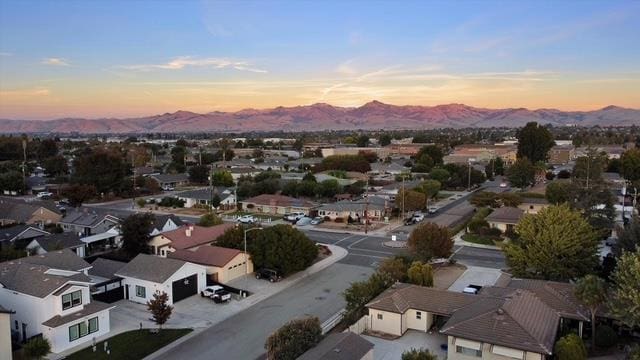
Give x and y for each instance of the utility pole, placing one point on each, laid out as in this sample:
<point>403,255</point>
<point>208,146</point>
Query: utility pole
<point>24,164</point>
<point>469,176</point>
<point>211,187</point>
<point>403,197</point>
<point>133,166</point>
<point>366,208</point>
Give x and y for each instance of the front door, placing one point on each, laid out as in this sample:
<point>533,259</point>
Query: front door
<point>126,292</point>
<point>24,332</point>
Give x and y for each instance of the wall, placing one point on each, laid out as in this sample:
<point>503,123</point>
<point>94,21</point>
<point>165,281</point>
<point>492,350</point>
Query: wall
<point>225,275</point>
<point>28,309</point>
<point>5,336</point>
<point>422,324</point>
<point>187,270</point>
<point>59,337</point>
<point>486,353</point>
<point>390,323</point>
<point>157,242</point>
<point>44,216</point>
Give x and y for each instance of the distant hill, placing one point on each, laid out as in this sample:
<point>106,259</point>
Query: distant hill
<point>371,116</point>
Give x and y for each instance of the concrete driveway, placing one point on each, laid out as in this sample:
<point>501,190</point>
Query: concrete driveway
<point>393,349</point>
<point>475,275</point>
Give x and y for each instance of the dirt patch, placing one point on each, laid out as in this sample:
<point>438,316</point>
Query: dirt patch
<point>323,253</point>
<point>444,276</point>
<point>380,335</point>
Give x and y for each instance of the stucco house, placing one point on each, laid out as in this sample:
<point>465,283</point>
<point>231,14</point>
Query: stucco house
<point>533,205</point>
<point>19,235</point>
<point>186,237</point>
<point>276,204</point>
<point>223,264</point>
<point>5,333</point>
<point>204,196</point>
<point>504,218</point>
<point>146,274</point>
<point>50,296</point>
<point>98,229</point>
<point>170,180</point>
<point>375,210</point>
<point>38,213</point>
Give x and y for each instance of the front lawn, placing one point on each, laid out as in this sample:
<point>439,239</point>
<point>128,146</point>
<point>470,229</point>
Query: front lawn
<point>131,345</point>
<point>481,239</point>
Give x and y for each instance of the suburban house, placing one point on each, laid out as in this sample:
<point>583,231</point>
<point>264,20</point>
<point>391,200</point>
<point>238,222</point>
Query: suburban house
<point>340,346</point>
<point>170,180</point>
<point>561,154</point>
<point>19,235</point>
<point>106,286</point>
<point>203,196</point>
<point>186,237</point>
<point>238,172</point>
<point>504,218</point>
<point>276,204</point>
<point>520,320</point>
<point>533,205</point>
<point>39,213</point>
<point>392,168</point>
<point>147,274</point>
<point>354,209</point>
<point>164,223</point>
<point>99,230</point>
<point>223,264</point>
<point>5,333</point>
<point>50,296</point>
<point>51,242</point>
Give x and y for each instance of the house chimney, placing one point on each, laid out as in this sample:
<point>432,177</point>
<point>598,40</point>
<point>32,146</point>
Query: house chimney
<point>188,232</point>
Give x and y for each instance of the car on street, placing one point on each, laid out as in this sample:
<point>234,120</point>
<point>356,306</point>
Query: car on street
<point>304,221</point>
<point>216,293</point>
<point>294,216</point>
<point>268,274</point>
<point>503,185</point>
<point>168,188</point>
<point>44,195</point>
<point>417,217</point>
<point>317,220</point>
<point>432,209</point>
<point>246,219</point>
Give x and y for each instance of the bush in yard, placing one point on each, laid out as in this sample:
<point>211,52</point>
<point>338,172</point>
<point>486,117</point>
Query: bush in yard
<point>141,202</point>
<point>420,274</point>
<point>418,354</point>
<point>428,241</point>
<point>570,347</point>
<point>160,308</point>
<point>361,292</point>
<point>209,220</point>
<point>395,267</point>
<point>475,225</point>
<point>605,337</point>
<point>293,339</point>
<point>37,348</point>
<point>284,248</point>
<point>168,201</point>
<point>339,220</point>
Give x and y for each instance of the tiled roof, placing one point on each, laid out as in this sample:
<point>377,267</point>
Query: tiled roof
<point>151,268</point>
<point>199,235</point>
<point>89,216</point>
<point>161,220</point>
<point>347,205</point>
<point>279,200</point>
<point>401,297</point>
<point>506,215</point>
<point>339,346</point>
<point>21,211</point>
<point>169,178</point>
<point>89,309</point>
<point>206,255</point>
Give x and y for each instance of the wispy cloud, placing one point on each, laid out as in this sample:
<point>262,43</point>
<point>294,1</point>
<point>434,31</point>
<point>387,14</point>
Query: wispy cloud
<point>25,93</point>
<point>4,53</point>
<point>182,62</point>
<point>55,61</point>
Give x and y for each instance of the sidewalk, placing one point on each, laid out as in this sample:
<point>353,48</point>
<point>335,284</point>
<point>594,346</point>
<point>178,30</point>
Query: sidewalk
<point>382,232</point>
<point>457,240</point>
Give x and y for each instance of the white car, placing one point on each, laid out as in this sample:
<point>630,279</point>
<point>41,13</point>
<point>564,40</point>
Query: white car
<point>503,185</point>
<point>417,217</point>
<point>433,209</point>
<point>246,219</point>
<point>304,221</point>
<point>294,216</point>
<point>168,188</point>
<point>216,293</point>
<point>44,194</point>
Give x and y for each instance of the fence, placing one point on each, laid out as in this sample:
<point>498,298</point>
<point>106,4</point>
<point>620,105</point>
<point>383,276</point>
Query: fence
<point>361,325</point>
<point>332,321</point>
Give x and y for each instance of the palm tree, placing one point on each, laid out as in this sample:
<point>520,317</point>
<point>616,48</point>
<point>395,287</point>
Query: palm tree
<point>591,290</point>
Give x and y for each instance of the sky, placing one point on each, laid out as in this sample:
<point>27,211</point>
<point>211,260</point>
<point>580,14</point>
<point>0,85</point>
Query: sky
<point>135,58</point>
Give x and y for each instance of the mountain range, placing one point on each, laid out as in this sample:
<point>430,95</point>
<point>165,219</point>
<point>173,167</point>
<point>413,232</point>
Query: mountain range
<point>371,116</point>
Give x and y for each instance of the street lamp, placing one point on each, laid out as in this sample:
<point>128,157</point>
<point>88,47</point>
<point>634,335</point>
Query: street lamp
<point>246,264</point>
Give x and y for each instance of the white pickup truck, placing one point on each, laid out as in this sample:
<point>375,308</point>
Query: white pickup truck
<point>216,293</point>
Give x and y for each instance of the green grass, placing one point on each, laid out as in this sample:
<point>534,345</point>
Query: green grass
<point>479,239</point>
<point>131,345</point>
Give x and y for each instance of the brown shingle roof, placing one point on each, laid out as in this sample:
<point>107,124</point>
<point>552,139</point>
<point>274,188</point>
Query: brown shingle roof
<point>557,295</point>
<point>200,235</point>
<point>401,297</point>
<point>507,215</point>
<point>339,346</point>
<point>206,255</point>
<point>279,200</point>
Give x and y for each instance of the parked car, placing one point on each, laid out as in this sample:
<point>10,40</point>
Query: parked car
<point>44,195</point>
<point>433,209</point>
<point>168,188</point>
<point>503,185</point>
<point>417,217</point>
<point>294,216</point>
<point>304,221</point>
<point>409,221</point>
<point>246,219</point>
<point>268,274</point>
<point>472,289</point>
<point>216,293</point>
<point>64,202</point>
<point>317,220</point>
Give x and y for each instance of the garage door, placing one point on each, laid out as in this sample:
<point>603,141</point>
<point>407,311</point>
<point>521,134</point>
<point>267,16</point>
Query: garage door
<point>185,287</point>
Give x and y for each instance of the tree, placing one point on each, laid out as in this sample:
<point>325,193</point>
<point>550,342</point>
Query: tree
<point>328,188</point>
<point>430,189</point>
<point>46,148</point>
<point>284,248</point>
<point>510,199</point>
<point>309,177</point>
<point>420,274</point>
<point>411,200</point>
<point>484,199</point>
<point>160,308</point>
<point>222,178</point>
<point>440,175</point>
<point>628,238</point>
<point>630,164</point>
<point>433,151</point>
<point>56,165</point>
<point>199,174</point>
<point>141,202</point>
<point>534,142</point>
<point>233,238</point>
<point>209,220</point>
<point>558,192</point>
<point>418,354</point>
<point>135,231</point>
<point>522,173</point>
<point>103,169</point>
<point>428,241</point>
<point>361,292</point>
<point>12,181</point>
<point>384,139</point>
<point>570,347</point>
<point>37,348</point>
<point>78,193</point>
<point>625,298</point>
<point>592,292</point>
<point>395,267</point>
<point>294,339</point>
<point>555,244</point>
<point>344,162</point>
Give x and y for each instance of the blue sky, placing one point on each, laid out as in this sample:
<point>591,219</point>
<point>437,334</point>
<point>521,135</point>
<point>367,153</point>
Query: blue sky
<point>129,58</point>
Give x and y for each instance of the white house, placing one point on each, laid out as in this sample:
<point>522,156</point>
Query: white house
<point>164,223</point>
<point>203,196</point>
<point>146,274</point>
<point>49,295</point>
<point>5,333</point>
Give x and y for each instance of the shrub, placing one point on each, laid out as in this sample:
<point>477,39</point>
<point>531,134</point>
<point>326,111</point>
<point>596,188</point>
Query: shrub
<point>294,339</point>
<point>605,337</point>
<point>37,348</point>
<point>327,218</point>
<point>476,225</point>
<point>570,347</point>
<point>418,354</point>
<point>171,202</point>
<point>339,220</point>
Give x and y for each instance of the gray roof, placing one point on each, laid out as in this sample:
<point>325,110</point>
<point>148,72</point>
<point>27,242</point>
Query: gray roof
<point>88,309</point>
<point>204,193</point>
<point>13,232</point>
<point>169,178</point>
<point>64,259</point>
<point>32,279</point>
<point>339,346</point>
<point>21,211</point>
<point>106,268</point>
<point>161,220</point>
<point>89,216</point>
<point>151,268</point>
<point>347,205</point>
<point>67,240</point>
<point>506,215</point>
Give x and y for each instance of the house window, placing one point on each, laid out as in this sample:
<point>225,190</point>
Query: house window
<point>93,325</point>
<point>17,325</point>
<point>418,315</point>
<point>72,299</point>
<point>141,291</point>
<point>379,316</point>
<point>468,351</point>
<point>531,207</point>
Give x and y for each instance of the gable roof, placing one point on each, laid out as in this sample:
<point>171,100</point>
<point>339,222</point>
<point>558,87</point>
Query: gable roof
<point>205,193</point>
<point>88,309</point>
<point>506,215</point>
<point>199,235</point>
<point>106,268</point>
<point>22,211</point>
<point>89,217</point>
<point>66,240</point>
<point>17,231</point>
<point>161,220</point>
<point>33,279</point>
<point>347,205</point>
<point>169,178</point>
<point>339,346</point>
<point>279,200</point>
<point>557,295</point>
<point>151,268</point>
<point>64,259</point>
<point>206,255</point>
<point>401,297</point>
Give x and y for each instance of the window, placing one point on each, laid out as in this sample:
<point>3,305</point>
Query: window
<point>379,316</point>
<point>72,299</point>
<point>418,315</point>
<point>93,325</point>
<point>468,351</point>
<point>141,291</point>
<point>74,332</point>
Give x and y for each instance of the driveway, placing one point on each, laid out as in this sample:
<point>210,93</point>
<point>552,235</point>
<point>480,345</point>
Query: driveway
<point>476,276</point>
<point>393,349</point>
